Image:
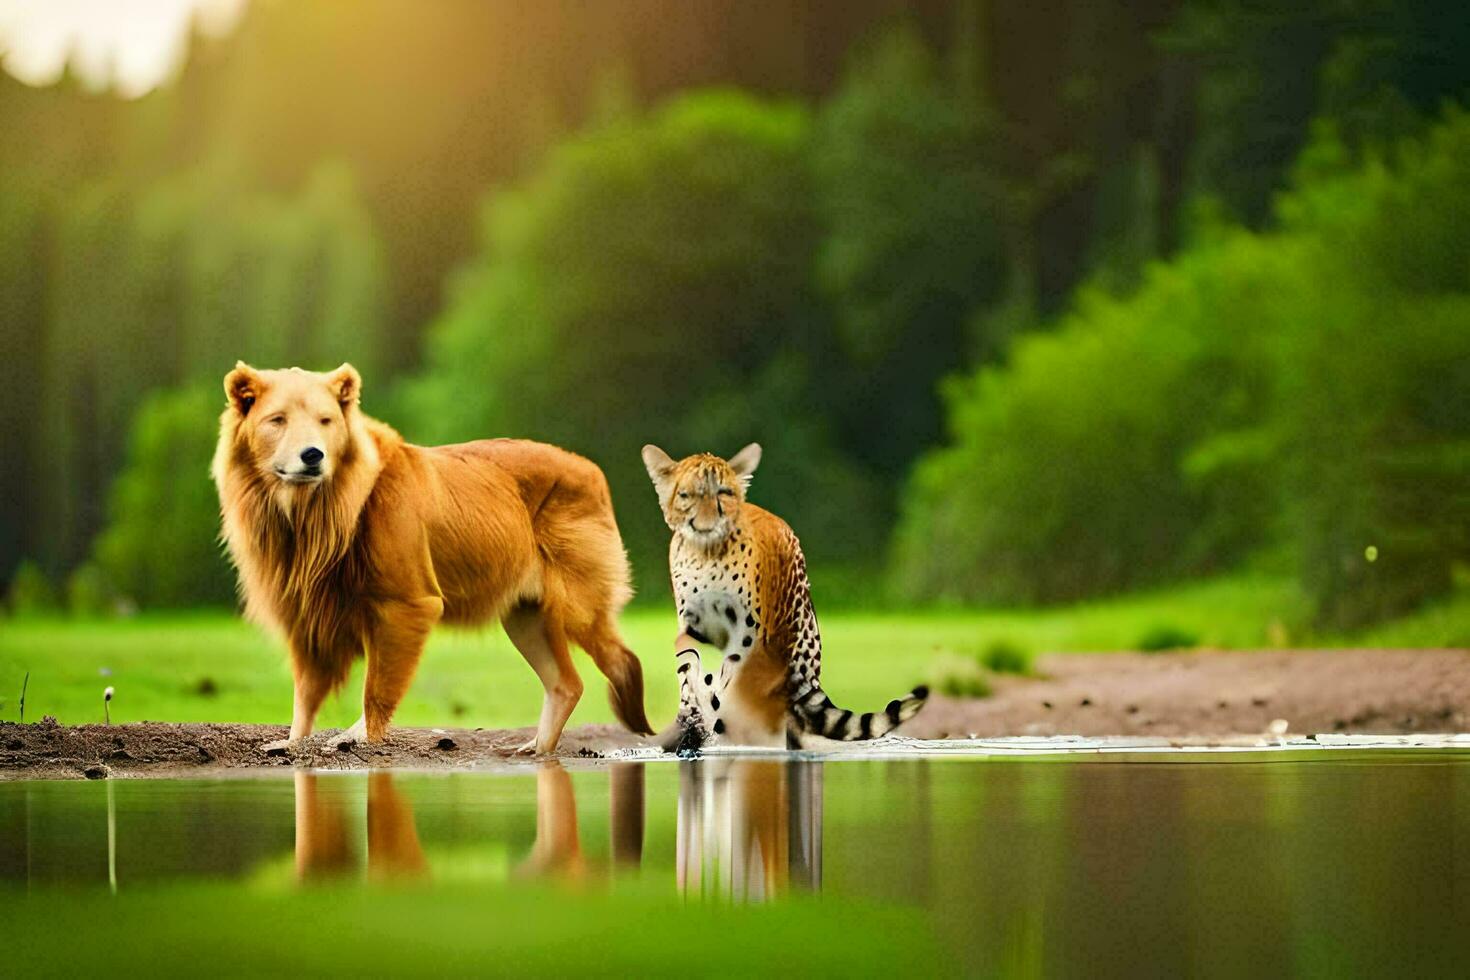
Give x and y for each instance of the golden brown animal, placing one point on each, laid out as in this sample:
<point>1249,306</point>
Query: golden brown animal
<point>352,542</point>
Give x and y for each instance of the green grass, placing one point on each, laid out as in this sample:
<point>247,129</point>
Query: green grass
<point>158,664</point>
<point>529,931</point>
<point>1443,624</point>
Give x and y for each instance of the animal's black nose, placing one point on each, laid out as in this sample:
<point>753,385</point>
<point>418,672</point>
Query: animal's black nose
<point>311,456</point>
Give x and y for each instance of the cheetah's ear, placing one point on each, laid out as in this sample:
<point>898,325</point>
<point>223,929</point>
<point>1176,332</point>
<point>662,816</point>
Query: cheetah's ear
<point>745,461</point>
<point>658,463</point>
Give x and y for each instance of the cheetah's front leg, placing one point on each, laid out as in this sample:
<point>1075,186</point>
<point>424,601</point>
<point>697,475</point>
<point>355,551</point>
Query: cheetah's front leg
<point>690,728</point>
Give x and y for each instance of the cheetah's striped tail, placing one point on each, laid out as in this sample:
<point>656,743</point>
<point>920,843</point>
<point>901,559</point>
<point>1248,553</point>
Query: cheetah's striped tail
<point>817,715</point>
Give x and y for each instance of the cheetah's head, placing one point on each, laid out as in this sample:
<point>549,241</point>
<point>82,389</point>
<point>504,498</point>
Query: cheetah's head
<point>701,494</point>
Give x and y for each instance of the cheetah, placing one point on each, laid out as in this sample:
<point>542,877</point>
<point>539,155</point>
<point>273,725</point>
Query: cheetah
<point>740,584</point>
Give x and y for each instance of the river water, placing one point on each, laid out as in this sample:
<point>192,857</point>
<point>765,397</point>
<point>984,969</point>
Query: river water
<point>1351,864</point>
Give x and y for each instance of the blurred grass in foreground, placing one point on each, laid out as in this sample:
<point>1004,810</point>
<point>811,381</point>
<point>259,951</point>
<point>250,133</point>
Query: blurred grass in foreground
<point>446,931</point>
<point>214,667</point>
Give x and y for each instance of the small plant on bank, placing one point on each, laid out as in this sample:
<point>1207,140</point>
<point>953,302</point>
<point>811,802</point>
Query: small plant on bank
<point>959,676</point>
<point>1167,636</point>
<point>1005,656</point>
<point>965,686</point>
<point>107,704</point>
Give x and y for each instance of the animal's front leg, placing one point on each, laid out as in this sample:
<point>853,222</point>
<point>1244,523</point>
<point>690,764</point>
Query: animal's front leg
<point>393,651</point>
<point>311,690</point>
<point>693,692</point>
<point>689,725</point>
<point>311,684</point>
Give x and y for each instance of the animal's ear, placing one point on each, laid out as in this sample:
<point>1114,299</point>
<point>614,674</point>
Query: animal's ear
<point>745,461</point>
<point>243,387</point>
<point>346,385</point>
<point>658,463</point>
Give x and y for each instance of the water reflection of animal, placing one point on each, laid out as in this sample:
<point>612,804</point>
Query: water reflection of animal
<point>749,830</point>
<point>557,852</point>
<point>323,846</point>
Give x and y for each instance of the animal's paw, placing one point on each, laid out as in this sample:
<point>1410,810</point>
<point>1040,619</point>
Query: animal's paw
<point>684,738</point>
<point>350,738</point>
<point>529,748</point>
<point>280,747</point>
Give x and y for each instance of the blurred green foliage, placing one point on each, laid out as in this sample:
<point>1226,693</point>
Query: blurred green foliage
<point>89,593</point>
<point>183,275</point>
<point>1189,275</point>
<point>157,549</point>
<point>916,214</point>
<point>1377,68</point>
<point>30,592</point>
<point>655,283</point>
<point>651,284</point>
<point>1066,477</point>
<point>1308,384</point>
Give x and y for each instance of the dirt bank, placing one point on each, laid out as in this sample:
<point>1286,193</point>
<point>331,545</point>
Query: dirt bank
<point>1199,696</point>
<point>153,748</point>
<point>1217,694</point>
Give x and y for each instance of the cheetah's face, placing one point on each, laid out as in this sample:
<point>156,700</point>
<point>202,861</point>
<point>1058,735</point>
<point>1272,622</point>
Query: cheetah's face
<point>701,494</point>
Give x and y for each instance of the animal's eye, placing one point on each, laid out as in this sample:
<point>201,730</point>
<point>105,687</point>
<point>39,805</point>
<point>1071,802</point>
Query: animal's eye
<point>726,492</point>
<point>276,420</point>
<point>683,495</point>
<point>326,420</point>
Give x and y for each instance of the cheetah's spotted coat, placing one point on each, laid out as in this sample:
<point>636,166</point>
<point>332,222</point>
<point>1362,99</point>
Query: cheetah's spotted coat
<point>740,584</point>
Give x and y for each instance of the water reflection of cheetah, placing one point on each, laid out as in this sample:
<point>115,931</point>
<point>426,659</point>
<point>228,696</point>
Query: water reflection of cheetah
<point>749,830</point>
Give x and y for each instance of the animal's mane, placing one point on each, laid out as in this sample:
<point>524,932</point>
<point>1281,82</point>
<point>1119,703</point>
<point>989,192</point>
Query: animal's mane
<point>298,549</point>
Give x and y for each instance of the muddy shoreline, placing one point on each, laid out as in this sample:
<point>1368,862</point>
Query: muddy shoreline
<point>1201,698</point>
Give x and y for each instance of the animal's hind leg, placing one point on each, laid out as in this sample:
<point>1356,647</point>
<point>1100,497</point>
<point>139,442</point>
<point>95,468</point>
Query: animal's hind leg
<point>539,637</point>
<point>623,672</point>
<point>393,650</point>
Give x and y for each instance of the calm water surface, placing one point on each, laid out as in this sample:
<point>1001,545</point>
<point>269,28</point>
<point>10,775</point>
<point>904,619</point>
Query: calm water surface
<point>1344,864</point>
